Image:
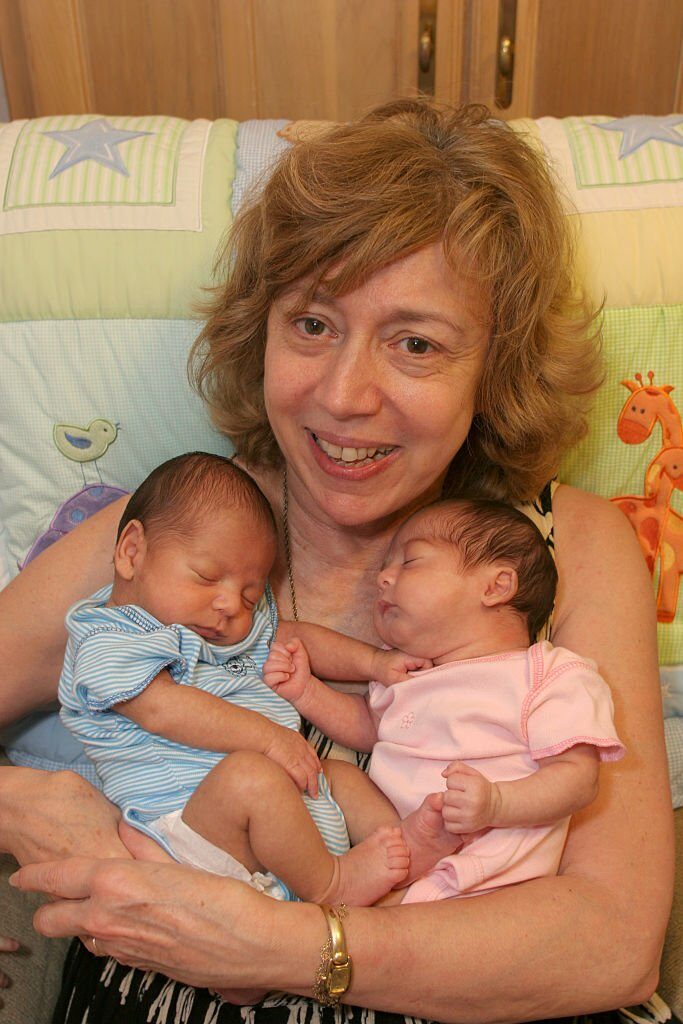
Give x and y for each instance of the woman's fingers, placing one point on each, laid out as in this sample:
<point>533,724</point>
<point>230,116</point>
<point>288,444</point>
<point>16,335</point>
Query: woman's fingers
<point>186,924</point>
<point>141,846</point>
<point>8,945</point>
<point>64,879</point>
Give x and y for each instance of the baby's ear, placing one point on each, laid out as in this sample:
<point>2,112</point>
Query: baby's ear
<point>501,585</point>
<point>130,549</point>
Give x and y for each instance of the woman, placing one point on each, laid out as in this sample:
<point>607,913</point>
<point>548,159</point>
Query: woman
<point>398,324</point>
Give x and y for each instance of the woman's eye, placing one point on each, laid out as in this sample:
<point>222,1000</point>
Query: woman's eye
<point>312,326</point>
<point>416,346</point>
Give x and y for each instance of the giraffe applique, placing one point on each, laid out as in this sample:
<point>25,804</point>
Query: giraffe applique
<point>645,406</point>
<point>664,476</point>
<point>658,526</point>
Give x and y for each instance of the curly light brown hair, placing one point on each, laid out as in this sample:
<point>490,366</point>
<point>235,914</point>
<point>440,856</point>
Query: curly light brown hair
<point>346,203</point>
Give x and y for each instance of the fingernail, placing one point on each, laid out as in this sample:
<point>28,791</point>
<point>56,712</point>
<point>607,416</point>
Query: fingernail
<point>13,880</point>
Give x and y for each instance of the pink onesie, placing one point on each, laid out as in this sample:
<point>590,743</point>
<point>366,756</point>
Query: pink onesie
<point>501,715</point>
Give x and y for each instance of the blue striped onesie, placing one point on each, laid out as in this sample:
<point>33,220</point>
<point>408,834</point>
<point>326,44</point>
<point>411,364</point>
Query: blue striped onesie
<point>113,653</point>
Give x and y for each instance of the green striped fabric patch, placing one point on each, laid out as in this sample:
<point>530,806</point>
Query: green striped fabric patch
<point>599,160</point>
<point>145,173</point>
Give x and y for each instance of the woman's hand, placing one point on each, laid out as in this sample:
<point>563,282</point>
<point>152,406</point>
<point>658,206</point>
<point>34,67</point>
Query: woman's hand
<point>67,816</point>
<point>198,928</point>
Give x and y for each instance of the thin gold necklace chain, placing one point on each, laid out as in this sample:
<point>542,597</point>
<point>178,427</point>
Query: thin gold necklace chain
<point>288,549</point>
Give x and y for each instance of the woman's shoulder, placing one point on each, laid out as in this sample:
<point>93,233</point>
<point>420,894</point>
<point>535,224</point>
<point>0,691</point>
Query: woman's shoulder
<point>583,520</point>
<point>600,564</point>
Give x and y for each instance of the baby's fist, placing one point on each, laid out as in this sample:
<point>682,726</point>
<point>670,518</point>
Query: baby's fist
<point>390,667</point>
<point>287,669</point>
<point>470,802</point>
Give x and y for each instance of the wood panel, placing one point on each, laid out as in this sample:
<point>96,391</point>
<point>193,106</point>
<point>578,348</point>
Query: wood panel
<point>208,58</point>
<point>15,61</point>
<point>317,58</point>
<point>482,30</point>
<point>450,56</point>
<point>49,74</point>
<point>152,57</point>
<point>333,58</point>
<point>607,57</point>
<point>616,57</point>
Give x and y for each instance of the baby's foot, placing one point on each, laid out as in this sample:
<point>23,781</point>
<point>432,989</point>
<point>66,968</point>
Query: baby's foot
<point>370,869</point>
<point>426,836</point>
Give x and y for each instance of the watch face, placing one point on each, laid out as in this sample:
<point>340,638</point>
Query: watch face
<point>339,978</point>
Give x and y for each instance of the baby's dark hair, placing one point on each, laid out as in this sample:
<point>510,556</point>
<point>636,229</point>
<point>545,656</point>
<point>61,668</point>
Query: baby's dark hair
<point>490,531</point>
<point>180,491</point>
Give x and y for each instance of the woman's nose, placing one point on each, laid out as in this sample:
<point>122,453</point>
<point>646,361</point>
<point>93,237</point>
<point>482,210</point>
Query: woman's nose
<point>352,384</point>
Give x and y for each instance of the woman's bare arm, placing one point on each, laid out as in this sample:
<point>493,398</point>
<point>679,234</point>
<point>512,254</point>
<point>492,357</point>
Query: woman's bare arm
<point>588,939</point>
<point>67,815</point>
<point>33,606</point>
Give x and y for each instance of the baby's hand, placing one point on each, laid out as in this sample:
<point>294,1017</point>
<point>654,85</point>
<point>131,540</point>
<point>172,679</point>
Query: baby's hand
<point>287,670</point>
<point>6,946</point>
<point>298,758</point>
<point>389,667</point>
<point>470,802</point>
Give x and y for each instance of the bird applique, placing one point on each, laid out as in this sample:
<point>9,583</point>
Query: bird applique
<point>85,444</point>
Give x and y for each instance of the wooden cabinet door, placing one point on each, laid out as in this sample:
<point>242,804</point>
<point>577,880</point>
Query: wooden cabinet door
<point>615,57</point>
<point>207,58</point>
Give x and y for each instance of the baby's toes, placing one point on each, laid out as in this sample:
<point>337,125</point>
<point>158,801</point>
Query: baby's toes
<point>396,849</point>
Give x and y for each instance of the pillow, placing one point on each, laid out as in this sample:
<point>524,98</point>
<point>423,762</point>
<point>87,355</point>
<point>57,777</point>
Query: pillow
<point>623,184</point>
<point>108,232</point>
<point>622,180</point>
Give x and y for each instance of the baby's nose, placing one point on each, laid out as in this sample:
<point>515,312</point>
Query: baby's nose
<point>228,602</point>
<point>383,578</point>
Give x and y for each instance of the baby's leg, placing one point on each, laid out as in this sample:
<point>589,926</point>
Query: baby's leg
<point>249,806</point>
<point>366,807</point>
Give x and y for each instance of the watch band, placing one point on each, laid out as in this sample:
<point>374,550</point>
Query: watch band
<point>333,975</point>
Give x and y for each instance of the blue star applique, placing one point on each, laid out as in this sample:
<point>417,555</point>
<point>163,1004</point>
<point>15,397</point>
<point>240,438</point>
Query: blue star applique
<point>639,129</point>
<point>96,140</point>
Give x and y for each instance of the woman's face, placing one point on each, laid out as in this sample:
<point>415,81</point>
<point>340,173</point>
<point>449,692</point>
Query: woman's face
<point>370,394</point>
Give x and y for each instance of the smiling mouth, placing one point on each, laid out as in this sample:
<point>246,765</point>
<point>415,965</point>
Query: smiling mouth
<point>347,456</point>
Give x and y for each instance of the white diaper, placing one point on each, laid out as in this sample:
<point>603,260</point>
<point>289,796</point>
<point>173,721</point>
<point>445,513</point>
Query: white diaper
<point>188,847</point>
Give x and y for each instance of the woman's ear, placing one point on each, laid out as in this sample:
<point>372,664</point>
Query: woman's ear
<point>501,585</point>
<point>130,550</point>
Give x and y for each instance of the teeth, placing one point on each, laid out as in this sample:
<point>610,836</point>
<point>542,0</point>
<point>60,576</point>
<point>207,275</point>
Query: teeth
<point>351,454</point>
